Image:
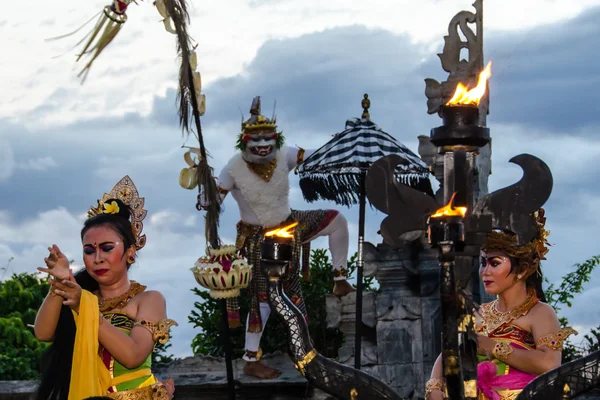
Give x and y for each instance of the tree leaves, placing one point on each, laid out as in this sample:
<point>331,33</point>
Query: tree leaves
<point>206,315</point>
<point>20,351</point>
<point>570,285</point>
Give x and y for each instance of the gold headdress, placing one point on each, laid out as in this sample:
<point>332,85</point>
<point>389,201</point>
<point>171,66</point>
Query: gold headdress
<point>125,191</point>
<point>530,254</point>
<point>258,122</point>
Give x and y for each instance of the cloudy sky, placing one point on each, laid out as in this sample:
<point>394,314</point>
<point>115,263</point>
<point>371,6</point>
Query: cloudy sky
<point>62,145</point>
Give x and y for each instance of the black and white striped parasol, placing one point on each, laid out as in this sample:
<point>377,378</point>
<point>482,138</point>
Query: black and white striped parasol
<point>333,171</point>
<point>337,171</point>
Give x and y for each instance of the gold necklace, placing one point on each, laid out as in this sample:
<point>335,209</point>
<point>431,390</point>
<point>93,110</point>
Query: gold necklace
<point>120,301</point>
<point>265,171</point>
<point>494,318</point>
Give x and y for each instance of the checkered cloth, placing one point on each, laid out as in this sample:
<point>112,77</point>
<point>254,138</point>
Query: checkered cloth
<point>249,240</point>
<point>332,172</point>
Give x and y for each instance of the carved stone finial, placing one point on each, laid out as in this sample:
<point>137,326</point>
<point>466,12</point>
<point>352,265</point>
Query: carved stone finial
<point>460,70</point>
<point>365,103</point>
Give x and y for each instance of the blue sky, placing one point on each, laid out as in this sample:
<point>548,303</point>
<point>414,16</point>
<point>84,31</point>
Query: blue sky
<point>62,145</point>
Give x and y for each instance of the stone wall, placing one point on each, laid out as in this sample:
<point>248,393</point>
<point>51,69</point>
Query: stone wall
<point>203,377</point>
<point>404,313</point>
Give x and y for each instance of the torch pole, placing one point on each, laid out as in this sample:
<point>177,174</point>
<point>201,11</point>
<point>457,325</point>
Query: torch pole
<point>228,356</point>
<point>359,270</point>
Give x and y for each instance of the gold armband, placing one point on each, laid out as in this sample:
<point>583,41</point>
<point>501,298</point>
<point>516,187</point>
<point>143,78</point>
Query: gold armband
<point>502,350</point>
<point>555,340</point>
<point>159,330</point>
<point>433,384</point>
<point>300,157</point>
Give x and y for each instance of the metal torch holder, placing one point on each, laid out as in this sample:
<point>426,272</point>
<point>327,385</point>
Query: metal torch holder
<point>458,139</point>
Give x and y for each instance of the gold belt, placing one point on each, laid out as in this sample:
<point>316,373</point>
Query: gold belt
<point>156,391</point>
<point>504,394</point>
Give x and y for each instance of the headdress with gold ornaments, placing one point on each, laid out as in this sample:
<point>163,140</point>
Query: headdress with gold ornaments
<point>530,254</point>
<point>125,191</point>
<point>256,124</point>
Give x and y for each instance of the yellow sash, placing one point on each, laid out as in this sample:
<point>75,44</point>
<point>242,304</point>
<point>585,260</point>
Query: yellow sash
<point>89,376</point>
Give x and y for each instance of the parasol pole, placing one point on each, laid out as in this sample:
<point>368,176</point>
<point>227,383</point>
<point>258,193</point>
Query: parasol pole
<point>366,104</point>
<point>359,269</point>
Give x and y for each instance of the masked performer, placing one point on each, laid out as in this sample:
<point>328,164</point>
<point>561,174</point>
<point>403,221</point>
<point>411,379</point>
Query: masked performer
<point>519,335</point>
<point>103,326</point>
<point>258,179</point>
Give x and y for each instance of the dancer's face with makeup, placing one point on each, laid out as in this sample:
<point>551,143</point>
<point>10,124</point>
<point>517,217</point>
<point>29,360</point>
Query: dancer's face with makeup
<point>104,254</point>
<point>494,271</point>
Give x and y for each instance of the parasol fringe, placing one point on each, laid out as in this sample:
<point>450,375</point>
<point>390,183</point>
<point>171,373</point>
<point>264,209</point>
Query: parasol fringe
<point>344,189</point>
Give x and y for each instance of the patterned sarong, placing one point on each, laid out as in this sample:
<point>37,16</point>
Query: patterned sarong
<point>248,241</point>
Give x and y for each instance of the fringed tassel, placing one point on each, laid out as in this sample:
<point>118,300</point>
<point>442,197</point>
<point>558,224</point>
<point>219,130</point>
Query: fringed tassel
<point>176,12</point>
<point>344,189</point>
<point>179,16</point>
<point>233,313</point>
<point>207,184</point>
<point>108,26</point>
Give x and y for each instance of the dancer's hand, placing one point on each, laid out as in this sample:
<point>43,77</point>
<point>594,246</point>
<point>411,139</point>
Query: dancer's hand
<point>69,290</point>
<point>170,385</point>
<point>485,345</point>
<point>57,263</point>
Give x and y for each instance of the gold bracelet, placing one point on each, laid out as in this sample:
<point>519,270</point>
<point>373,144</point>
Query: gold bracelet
<point>502,350</point>
<point>433,384</point>
<point>52,291</point>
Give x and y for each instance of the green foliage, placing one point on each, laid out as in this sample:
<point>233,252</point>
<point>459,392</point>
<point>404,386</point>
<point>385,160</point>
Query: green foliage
<point>571,284</point>
<point>563,294</point>
<point>207,316</point>
<point>20,351</point>
<point>160,355</point>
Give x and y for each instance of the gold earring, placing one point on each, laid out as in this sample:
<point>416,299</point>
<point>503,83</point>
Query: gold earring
<point>519,277</point>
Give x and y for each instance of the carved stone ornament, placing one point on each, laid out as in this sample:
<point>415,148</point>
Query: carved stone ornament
<point>461,70</point>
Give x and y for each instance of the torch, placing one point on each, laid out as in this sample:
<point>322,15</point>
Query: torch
<point>341,381</point>
<point>461,227</point>
<point>458,139</point>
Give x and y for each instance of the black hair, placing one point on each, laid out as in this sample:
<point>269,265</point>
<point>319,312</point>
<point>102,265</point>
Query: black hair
<point>534,280</point>
<point>119,222</point>
<point>57,360</point>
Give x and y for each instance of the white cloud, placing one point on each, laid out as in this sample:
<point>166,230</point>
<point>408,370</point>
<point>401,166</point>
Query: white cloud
<point>38,164</point>
<point>7,161</point>
<point>141,60</point>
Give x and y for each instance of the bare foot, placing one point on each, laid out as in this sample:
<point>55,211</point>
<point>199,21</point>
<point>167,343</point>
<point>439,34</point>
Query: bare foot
<point>260,370</point>
<point>342,288</point>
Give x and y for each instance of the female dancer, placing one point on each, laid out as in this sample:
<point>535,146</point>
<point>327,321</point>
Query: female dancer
<point>519,335</point>
<point>103,327</point>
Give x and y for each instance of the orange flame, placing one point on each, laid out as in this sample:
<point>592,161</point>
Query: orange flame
<point>450,211</point>
<point>463,96</point>
<point>282,232</point>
